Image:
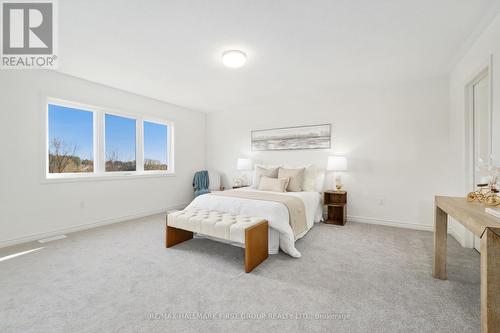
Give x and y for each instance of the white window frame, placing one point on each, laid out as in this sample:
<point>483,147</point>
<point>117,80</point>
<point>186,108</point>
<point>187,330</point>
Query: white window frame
<point>99,145</point>
<point>170,147</point>
<point>102,149</point>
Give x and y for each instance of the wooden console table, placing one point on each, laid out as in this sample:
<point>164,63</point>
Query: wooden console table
<point>472,216</point>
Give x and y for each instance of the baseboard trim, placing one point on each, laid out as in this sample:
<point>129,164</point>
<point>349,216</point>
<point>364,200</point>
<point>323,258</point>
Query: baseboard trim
<point>462,235</point>
<point>459,236</point>
<point>86,226</point>
<point>391,223</point>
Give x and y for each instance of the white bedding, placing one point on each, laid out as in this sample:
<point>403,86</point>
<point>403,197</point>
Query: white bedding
<point>274,212</point>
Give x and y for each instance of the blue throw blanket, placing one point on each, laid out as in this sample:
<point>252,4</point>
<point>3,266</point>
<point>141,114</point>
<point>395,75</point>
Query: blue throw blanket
<point>200,183</point>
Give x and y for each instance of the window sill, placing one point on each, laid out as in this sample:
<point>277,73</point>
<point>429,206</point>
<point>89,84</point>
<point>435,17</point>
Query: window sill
<point>70,178</point>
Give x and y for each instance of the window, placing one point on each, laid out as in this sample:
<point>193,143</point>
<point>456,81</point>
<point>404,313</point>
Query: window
<point>70,140</point>
<point>155,146</point>
<point>85,141</point>
<point>120,143</point>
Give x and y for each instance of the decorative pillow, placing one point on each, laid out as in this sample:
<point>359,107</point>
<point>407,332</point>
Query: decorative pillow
<point>273,184</point>
<point>262,171</point>
<point>319,183</point>
<point>314,177</point>
<point>310,174</point>
<point>296,178</point>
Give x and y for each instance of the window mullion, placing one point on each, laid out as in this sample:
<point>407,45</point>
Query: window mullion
<point>100,137</point>
<point>170,148</point>
<point>140,145</point>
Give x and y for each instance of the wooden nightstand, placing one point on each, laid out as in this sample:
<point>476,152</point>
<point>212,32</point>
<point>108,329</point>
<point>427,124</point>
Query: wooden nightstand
<point>336,205</point>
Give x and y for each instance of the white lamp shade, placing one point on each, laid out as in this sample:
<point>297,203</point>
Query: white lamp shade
<point>244,164</point>
<point>337,163</point>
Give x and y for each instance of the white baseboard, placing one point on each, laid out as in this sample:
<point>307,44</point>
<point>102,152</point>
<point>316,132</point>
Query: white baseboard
<point>85,226</point>
<point>459,236</point>
<point>390,223</point>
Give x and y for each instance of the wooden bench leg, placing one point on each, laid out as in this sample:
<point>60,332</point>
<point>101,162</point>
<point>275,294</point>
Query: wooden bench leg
<point>256,245</point>
<point>175,236</point>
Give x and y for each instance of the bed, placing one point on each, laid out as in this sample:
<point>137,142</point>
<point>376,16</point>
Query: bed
<point>277,214</point>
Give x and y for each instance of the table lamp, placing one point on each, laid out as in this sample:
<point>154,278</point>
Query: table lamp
<point>244,164</point>
<point>337,164</point>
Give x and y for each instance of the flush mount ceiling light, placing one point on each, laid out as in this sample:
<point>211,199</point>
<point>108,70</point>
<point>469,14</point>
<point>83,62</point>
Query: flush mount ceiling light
<point>234,58</point>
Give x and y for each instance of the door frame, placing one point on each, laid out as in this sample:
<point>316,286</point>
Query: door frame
<point>486,70</point>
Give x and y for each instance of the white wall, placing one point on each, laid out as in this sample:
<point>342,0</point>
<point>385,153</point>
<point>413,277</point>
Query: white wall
<point>29,207</point>
<point>467,68</point>
<point>395,138</point>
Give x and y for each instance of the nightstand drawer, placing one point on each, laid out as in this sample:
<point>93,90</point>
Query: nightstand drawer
<point>335,197</point>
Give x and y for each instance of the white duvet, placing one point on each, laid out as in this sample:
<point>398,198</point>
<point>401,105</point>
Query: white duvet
<point>274,212</point>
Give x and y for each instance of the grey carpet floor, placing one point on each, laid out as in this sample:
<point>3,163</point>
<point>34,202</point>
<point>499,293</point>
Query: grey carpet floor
<point>357,278</point>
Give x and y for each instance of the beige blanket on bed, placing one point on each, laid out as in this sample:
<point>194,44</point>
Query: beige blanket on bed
<point>295,206</point>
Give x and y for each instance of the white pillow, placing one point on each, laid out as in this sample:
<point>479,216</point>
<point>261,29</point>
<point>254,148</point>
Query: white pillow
<point>319,182</point>
<point>314,177</point>
<point>273,184</point>
<point>296,177</point>
<point>260,171</point>
<point>213,180</point>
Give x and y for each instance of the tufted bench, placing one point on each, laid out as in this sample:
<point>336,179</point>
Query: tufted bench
<point>250,231</point>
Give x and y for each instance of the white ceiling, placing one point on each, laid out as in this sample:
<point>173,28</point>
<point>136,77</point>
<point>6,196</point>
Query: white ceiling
<point>171,50</point>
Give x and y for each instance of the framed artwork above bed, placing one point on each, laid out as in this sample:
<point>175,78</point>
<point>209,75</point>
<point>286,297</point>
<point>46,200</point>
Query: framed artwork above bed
<point>293,138</point>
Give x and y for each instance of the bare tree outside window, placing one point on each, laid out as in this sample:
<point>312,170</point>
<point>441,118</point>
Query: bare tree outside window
<point>63,158</point>
<point>70,135</point>
<point>114,163</point>
<point>150,165</point>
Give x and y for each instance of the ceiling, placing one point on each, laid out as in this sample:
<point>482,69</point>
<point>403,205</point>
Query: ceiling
<point>171,50</point>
